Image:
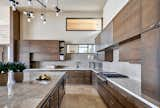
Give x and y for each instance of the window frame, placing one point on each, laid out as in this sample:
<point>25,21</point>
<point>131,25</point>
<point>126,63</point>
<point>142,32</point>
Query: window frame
<point>84,18</point>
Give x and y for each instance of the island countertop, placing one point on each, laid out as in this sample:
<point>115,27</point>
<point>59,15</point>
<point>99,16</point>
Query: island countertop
<point>30,93</point>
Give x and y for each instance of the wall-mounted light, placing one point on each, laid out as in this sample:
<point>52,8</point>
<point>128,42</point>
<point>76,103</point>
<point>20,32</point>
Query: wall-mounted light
<point>13,4</point>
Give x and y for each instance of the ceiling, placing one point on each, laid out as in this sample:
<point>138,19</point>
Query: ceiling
<point>65,5</point>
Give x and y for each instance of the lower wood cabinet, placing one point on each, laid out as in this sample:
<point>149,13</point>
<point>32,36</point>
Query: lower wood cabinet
<point>108,98</point>
<point>55,98</point>
<point>79,77</point>
<point>116,98</point>
<point>61,91</point>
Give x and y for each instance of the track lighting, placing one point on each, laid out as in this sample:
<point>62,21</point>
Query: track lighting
<point>29,2</point>
<point>57,11</point>
<point>44,21</point>
<point>29,15</point>
<point>13,4</point>
<point>29,19</point>
<point>43,18</point>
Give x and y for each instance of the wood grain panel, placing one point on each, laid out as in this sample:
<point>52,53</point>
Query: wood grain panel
<point>45,56</point>
<point>44,46</point>
<point>83,24</point>
<point>151,63</point>
<point>130,51</point>
<point>128,22</point>
<point>14,34</point>
<point>150,13</point>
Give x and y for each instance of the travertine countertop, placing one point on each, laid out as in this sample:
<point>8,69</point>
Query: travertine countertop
<point>130,86</point>
<point>133,88</point>
<point>30,93</point>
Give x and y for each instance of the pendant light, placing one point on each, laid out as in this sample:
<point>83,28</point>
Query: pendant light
<point>13,4</point>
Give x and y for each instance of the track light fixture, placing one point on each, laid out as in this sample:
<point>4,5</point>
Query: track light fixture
<point>57,11</point>
<point>13,4</point>
<point>43,18</point>
<point>29,15</point>
<point>29,2</point>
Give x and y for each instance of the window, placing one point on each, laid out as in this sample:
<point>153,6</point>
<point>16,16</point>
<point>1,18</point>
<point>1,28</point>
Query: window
<point>84,24</point>
<point>80,48</point>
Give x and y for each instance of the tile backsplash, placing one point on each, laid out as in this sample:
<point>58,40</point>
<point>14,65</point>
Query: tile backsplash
<point>84,60</point>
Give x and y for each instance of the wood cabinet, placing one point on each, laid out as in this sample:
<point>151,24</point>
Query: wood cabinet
<point>150,13</point>
<point>61,91</point>
<point>94,79</point>
<point>55,97</point>
<point>54,101</point>
<point>151,63</point>
<point>131,51</point>
<point>128,22</point>
<point>109,55</point>
<point>105,38</point>
<point>114,97</point>
<point>98,42</point>
<point>79,77</point>
<point>38,50</point>
<point>108,98</point>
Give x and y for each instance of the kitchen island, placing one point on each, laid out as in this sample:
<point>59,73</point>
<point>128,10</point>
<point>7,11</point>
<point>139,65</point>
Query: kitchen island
<point>35,94</point>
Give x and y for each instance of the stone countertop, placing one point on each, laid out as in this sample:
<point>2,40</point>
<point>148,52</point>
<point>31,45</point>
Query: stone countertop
<point>62,69</point>
<point>30,93</point>
<point>127,85</point>
<point>133,88</point>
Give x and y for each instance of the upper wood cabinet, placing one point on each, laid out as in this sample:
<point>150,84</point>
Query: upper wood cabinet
<point>130,51</point>
<point>105,38</point>
<point>128,22</point>
<point>150,13</point>
<point>98,42</point>
<point>151,63</point>
<point>44,46</point>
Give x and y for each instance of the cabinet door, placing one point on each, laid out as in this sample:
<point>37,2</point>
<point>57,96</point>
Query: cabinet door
<point>150,13</point>
<point>54,99</point>
<point>131,51</point>
<point>108,98</point>
<point>61,91</point>
<point>98,42</point>
<point>79,77</point>
<point>46,104</point>
<point>151,63</point>
<point>128,22</point>
<point>109,55</point>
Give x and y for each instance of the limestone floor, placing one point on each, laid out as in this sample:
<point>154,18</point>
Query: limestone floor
<point>82,96</point>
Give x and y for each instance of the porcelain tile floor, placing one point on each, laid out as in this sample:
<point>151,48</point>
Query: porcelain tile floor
<point>82,96</point>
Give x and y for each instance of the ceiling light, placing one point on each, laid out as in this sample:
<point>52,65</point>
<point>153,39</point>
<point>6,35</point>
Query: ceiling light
<point>42,16</point>
<point>57,11</point>
<point>13,4</point>
<point>44,21</point>
<point>57,14</point>
<point>29,2</point>
<point>29,15</point>
<point>29,19</point>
